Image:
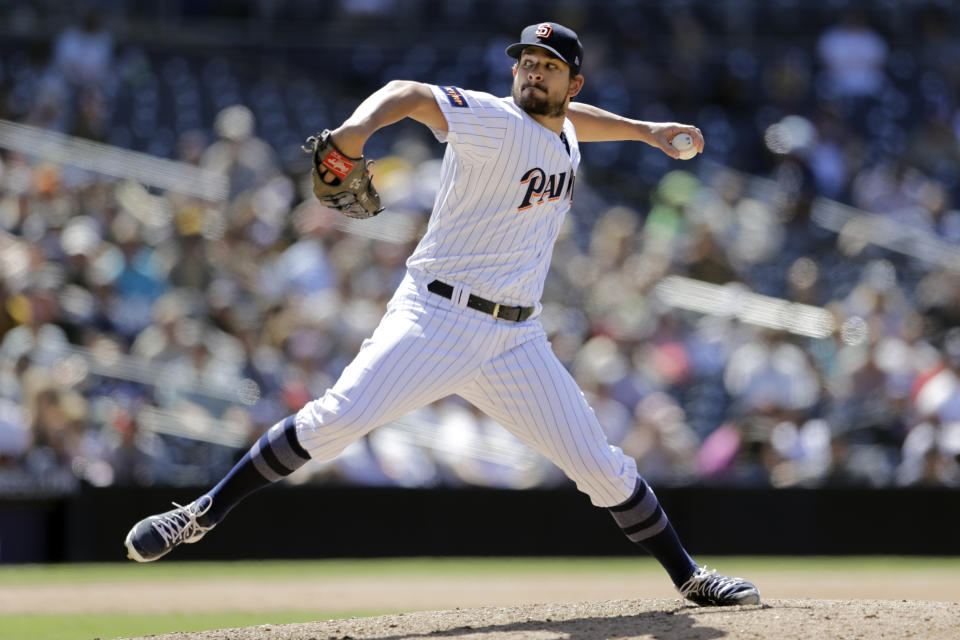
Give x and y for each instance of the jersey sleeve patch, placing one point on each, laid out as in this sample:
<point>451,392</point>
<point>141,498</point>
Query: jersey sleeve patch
<point>455,97</point>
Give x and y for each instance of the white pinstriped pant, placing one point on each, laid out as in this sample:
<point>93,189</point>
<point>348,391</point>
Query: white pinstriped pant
<point>427,347</point>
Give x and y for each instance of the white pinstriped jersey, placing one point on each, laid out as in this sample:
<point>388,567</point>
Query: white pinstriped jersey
<point>506,184</point>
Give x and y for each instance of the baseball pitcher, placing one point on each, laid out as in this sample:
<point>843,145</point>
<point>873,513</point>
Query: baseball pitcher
<point>465,319</point>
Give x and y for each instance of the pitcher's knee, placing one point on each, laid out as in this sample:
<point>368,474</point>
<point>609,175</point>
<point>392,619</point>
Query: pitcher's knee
<point>608,480</point>
<point>327,425</point>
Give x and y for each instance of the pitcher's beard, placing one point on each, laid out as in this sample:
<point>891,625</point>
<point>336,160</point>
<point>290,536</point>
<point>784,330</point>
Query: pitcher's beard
<point>535,105</point>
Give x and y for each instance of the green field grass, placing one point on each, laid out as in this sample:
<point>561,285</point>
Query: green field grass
<point>88,626</point>
<point>45,574</point>
<point>104,626</point>
<point>80,573</point>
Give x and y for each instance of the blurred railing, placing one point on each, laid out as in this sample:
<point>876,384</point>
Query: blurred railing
<point>113,161</point>
<point>883,232</point>
<point>849,221</point>
<point>78,362</point>
<point>735,300</point>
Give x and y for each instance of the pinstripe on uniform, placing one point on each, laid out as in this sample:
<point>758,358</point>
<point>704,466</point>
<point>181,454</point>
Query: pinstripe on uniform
<point>506,185</point>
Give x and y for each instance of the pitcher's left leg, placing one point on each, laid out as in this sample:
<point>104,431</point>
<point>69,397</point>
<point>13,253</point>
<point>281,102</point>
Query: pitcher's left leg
<point>530,393</point>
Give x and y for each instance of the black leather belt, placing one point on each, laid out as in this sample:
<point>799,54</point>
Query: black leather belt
<point>495,309</point>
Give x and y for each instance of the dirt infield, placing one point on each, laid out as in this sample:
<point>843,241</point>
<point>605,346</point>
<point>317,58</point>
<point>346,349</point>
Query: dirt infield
<point>648,619</point>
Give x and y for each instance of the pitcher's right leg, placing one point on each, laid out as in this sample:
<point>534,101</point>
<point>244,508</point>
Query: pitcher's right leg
<point>414,357</point>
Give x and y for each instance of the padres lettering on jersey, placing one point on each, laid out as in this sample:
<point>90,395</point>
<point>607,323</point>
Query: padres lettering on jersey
<point>539,185</point>
<point>505,185</point>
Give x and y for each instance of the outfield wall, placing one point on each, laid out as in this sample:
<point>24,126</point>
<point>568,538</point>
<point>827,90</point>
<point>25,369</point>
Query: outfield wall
<point>308,522</point>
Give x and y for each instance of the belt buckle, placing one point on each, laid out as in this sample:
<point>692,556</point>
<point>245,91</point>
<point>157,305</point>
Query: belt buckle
<point>496,310</point>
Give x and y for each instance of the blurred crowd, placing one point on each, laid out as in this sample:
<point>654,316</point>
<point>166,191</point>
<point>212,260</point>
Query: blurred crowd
<point>149,336</point>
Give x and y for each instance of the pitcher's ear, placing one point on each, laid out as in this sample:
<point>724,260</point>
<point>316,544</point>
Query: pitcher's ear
<point>575,85</point>
<point>514,68</point>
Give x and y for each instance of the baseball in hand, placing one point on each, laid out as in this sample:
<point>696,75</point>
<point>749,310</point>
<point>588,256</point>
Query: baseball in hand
<point>683,143</point>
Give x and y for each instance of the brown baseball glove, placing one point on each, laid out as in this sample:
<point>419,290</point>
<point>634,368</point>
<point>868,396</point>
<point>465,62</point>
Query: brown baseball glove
<point>350,192</point>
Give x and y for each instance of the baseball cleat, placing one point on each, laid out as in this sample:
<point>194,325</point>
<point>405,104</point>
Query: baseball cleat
<point>156,536</point>
<point>710,589</point>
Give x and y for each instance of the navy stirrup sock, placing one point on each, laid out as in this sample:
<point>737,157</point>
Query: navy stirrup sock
<point>273,457</point>
<point>642,520</point>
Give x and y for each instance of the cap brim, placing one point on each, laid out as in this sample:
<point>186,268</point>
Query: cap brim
<point>517,48</point>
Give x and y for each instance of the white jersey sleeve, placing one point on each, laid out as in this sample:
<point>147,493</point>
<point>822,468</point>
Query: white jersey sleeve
<point>476,122</point>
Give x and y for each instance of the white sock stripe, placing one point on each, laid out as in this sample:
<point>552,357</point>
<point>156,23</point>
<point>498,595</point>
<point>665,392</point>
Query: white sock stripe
<point>281,448</point>
<point>256,456</point>
<point>639,513</point>
<point>650,531</point>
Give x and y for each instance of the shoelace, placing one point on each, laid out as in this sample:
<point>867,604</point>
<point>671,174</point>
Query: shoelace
<point>709,583</point>
<point>177,526</point>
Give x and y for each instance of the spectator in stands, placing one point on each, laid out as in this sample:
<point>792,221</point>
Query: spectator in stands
<point>83,53</point>
<point>771,374</point>
<point>931,455</point>
<point>15,438</point>
<point>854,57</point>
<point>135,458</point>
<point>239,154</point>
<point>662,442</point>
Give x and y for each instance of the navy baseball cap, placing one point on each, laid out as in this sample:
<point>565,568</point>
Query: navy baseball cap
<point>555,38</point>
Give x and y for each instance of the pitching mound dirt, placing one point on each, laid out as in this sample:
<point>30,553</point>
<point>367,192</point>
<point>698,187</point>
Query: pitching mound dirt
<point>625,619</point>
